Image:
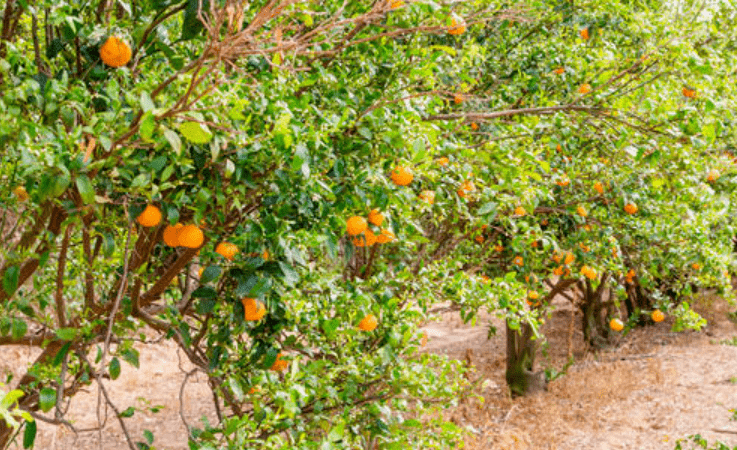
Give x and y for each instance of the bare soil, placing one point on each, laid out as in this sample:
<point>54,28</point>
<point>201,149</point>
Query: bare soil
<point>654,387</point>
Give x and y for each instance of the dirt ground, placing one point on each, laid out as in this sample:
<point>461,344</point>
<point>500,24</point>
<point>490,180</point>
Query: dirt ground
<point>653,388</point>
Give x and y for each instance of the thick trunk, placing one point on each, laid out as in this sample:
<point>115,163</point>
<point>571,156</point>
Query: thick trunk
<point>594,324</point>
<point>521,350</point>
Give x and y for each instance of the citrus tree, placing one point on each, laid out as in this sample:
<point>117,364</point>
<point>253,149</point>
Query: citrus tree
<point>285,189</point>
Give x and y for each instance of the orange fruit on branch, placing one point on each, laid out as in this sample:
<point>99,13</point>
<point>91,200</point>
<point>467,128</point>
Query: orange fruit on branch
<point>598,187</point>
<point>630,208</point>
<point>385,236</point>
<point>474,126</point>
<point>688,92</point>
<point>712,176</point>
<point>616,325</point>
<point>150,217</point>
<point>115,52</point>
<point>191,236</point>
<point>367,239</point>
<point>280,364</point>
<point>356,225</point>
<point>375,217</point>
<point>584,32</point>
<point>457,27</point>
<point>519,211</point>
<point>253,310</point>
<point>559,71</point>
<point>227,250</point>
<point>171,235</point>
<point>394,4</point>
<point>584,89</point>
<point>443,161</point>
<point>401,176</point>
<point>518,261</point>
<point>581,211</point>
<point>21,193</point>
<point>368,323</point>
<point>657,316</point>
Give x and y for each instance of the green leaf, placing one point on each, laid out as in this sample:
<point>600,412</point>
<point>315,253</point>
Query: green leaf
<point>131,357</point>
<point>19,328</point>
<point>192,25</point>
<point>175,142</point>
<point>10,279</point>
<point>149,436</point>
<point>209,274</point>
<point>129,411</point>
<point>86,190</point>
<point>290,275</point>
<point>66,334</point>
<point>29,434</point>
<point>195,132</point>
<point>47,399</point>
<point>205,306</point>
<point>114,368</point>
<point>204,292</point>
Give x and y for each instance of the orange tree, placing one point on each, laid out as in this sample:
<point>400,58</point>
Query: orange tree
<point>285,189</point>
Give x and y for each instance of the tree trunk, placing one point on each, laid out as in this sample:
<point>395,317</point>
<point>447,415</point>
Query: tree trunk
<point>595,328</point>
<point>521,350</point>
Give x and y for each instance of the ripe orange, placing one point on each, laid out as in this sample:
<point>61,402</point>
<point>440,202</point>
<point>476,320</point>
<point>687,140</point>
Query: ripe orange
<point>401,176</point>
<point>630,208</point>
<point>558,271</point>
<point>457,27</point>
<point>563,183</point>
<point>466,187</point>
<point>712,176</point>
<point>569,258</point>
<point>533,295</point>
<point>21,193</point>
<point>518,260</point>
<point>558,148</point>
<point>355,225</point>
<point>150,217</point>
<point>253,310</point>
<point>519,211</point>
<point>227,250</point>
<point>657,316</point>
<point>375,217</point>
<point>584,89</point>
<point>443,161</point>
<point>581,211</point>
<point>115,52</point>
<point>584,32</point>
<point>428,196</point>
<point>368,323</point>
<point>559,71</point>
<point>171,235</point>
<point>485,279</point>
<point>588,272</point>
<point>394,4</point>
<point>584,247</point>
<point>616,325</point>
<point>458,99</point>
<point>280,364</point>
<point>479,239</point>
<point>598,187</point>
<point>385,236</point>
<point>200,271</point>
<point>688,92</point>
<point>499,248</point>
<point>696,266</point>
<point>191,236</point>
<point>557,256</point>
<point>474,126</point>
<point>366,240</point>
<point>265,255</point>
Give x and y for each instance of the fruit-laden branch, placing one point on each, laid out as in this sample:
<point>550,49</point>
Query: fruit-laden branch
<point>514,112</point>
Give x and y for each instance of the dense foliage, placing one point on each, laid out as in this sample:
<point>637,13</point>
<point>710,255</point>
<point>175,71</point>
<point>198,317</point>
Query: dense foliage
<point>550,147</point>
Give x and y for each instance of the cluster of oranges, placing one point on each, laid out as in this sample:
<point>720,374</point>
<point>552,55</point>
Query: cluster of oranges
<point>190,236</point>
<point>358,227</point>
<point>588,272</point>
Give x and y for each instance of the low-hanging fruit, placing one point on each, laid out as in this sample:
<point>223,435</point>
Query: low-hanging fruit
<point>584,32</point>
<point>474,126</point>
<point>519,211</point>
<point>630,208</point>
<point>367,239</point>
<point>657,316</point>
<point>115,52</point>
<point>150,217</point>
<point>518,261</point>
<point>457,27</point>
<point>598,187</point>
<point>368,323</point>
<point>394,4</point>
<point>458,99</point>
<point>355,225</point>
<point>581,211</point>
<point>21,193</point>
<point>443,161</point>
<point>191,236</point>
<point>688,92</point>
<point>171,235</point>
<point>375,217</point>
<point>401,176</point>
<point>559,71</point>
<point>253,310</point>
<point>227,250</point>
<point>584,89</point>
<point>385,236</point>
<point>588,272</point>
<point>280,364</point>
<point>616,325</point>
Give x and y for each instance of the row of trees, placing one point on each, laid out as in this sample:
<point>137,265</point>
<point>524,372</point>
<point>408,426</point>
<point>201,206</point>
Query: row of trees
<point>515,151</point>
